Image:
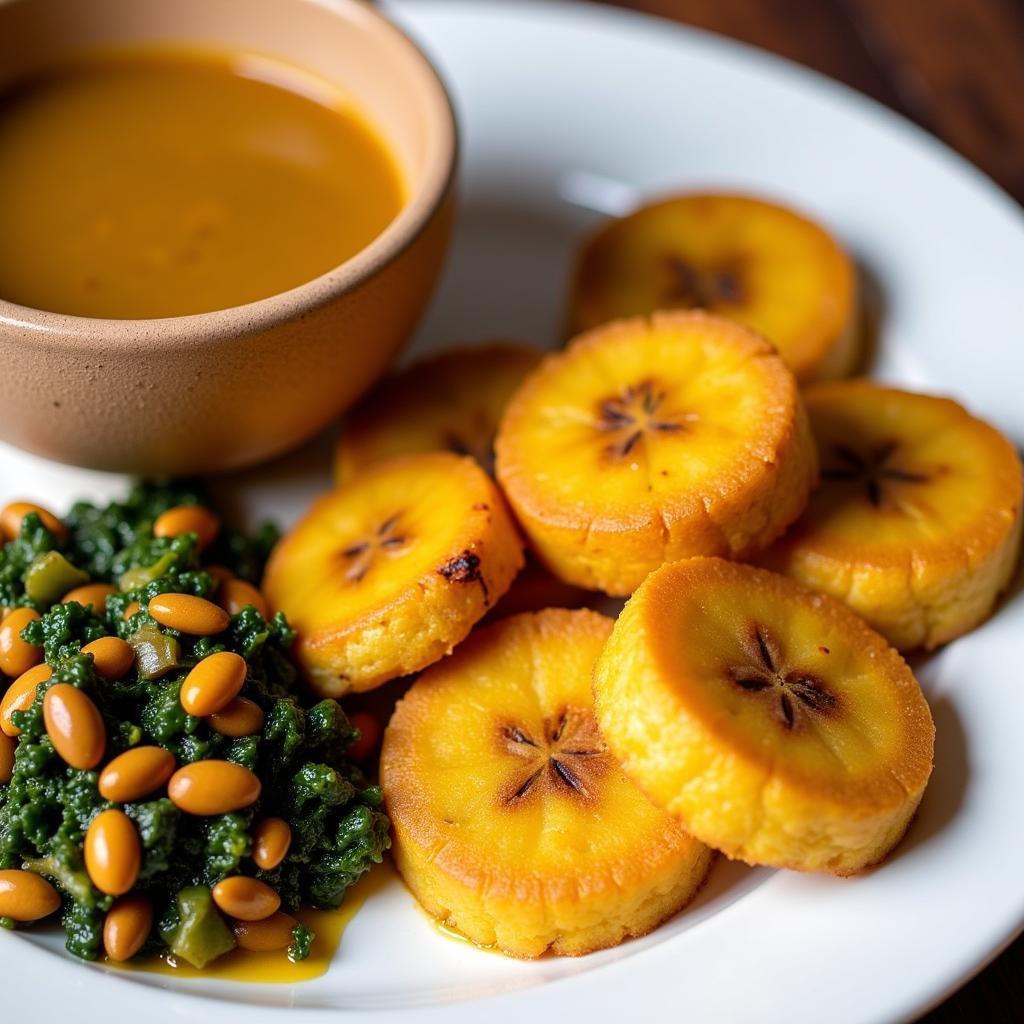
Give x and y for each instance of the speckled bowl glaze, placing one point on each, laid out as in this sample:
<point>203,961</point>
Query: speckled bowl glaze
<point>215,391</point>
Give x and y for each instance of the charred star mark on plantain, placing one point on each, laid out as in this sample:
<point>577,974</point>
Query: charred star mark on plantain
<point>873,470</point>
<point>791,691</point>
<point>703,289</point>
<point>465,568</point>
<point>387,538</point>
<point>568,756</point>
<point>631,414</point>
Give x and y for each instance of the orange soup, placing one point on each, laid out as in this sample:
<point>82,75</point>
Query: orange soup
<point>159,183</point>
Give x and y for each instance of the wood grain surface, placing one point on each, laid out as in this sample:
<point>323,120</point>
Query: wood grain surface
<point>957,68</point>
<point>954,66</point>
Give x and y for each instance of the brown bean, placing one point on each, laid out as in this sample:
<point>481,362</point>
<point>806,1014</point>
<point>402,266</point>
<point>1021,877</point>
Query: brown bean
<point>213,684</point>
<point>188,519</point>
<point>369,736</point>
<point>234,595</point>
<point>274,932</point>
<point>189,614</point>
<point>112,657</point>
<point>127,926</point>
<point>25,896</point>
<point>271,839</point>
<point>74,726</point>
<point>246,899</point>
<point>12,515</point>
<point>136,773</point>
<point>8,746</point>
<point>242,717</point>
<point>113,852</point>
<point>20,695</point>
<point>212,787</point>
<point>17,656</point>
<point>94,594</point>
<point>132,608</point>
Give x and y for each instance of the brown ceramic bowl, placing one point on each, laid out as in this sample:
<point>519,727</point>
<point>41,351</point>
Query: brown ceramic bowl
<point>219,390</point>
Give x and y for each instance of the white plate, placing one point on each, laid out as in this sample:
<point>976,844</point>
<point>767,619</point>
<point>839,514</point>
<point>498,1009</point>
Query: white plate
<point>571,109</point>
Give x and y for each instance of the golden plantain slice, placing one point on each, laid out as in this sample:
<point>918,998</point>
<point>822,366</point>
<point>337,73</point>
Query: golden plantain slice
<point>755,262</point>
<point>650,440</point>
<point>451,401</point>
<point>512,822</point>
<point>386,574</point>
<point>917,522</point>
<point>772,721</point>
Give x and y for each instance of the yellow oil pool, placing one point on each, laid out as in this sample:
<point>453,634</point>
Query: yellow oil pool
<point>275,968</point>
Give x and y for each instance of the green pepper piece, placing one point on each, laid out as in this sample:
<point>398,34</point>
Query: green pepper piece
<point>156,653</point>
<point>200,934</point>
<point>143,574</point>
<point>51,576</point>
<point>74,882</point>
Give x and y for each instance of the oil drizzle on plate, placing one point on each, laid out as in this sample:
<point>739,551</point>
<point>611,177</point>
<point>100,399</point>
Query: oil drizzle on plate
<point>454,935</point>
<point>275,968</point>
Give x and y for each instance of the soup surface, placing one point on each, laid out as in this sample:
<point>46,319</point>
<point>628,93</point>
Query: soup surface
<point>158,183</point>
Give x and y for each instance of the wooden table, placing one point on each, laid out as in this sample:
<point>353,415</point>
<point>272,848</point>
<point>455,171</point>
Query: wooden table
<point>957,68</point>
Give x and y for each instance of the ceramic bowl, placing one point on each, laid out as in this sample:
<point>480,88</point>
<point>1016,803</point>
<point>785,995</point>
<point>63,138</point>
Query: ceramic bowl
<point>219,390</point>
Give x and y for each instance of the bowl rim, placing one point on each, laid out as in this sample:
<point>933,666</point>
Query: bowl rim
<point>44,328</point>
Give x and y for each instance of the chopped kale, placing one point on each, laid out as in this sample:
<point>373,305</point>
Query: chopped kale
<point>302,943</point>
<point>339,829</point>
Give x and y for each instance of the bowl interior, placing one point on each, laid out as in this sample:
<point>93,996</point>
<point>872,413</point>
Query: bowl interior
<point>345,42</point>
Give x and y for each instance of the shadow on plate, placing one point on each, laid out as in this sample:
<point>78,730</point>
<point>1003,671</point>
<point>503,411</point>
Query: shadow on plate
<point>948,785</point>
<point>872,316</point>
<point>506,276</point>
